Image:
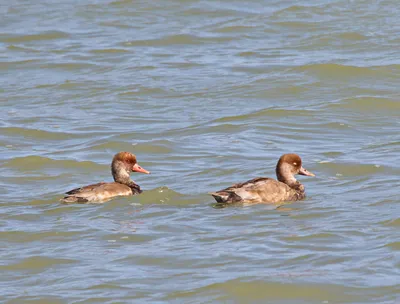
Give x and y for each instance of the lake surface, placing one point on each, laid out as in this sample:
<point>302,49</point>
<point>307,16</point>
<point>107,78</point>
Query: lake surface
<point>206,94</point>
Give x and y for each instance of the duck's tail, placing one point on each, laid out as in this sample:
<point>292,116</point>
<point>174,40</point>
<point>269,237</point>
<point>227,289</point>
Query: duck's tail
<point>226,197</point>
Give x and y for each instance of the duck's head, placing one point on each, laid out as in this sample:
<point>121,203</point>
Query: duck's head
<point>123,164</point>
<point>288,166</point>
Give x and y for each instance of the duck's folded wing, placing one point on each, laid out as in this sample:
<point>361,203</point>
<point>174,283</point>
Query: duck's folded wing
<point>100,192</point>
<point>257,190</point>
<point>254,184</point>
<point>241,192</point>
<point>84,189</point>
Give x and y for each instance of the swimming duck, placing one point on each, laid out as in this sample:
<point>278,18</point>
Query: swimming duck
<point>268,190</point>
<point>122,165</point>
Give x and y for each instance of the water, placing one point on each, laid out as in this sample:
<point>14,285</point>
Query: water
<point>205,94</point>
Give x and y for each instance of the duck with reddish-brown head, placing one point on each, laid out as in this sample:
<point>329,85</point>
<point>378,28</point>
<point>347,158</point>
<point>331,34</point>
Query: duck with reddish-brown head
<point>122,165</point>
<point>268,190</point>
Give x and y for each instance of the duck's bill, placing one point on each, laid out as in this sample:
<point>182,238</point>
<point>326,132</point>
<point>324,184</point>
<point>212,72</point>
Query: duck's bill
<point>305,172</point>
<point>137,168</point>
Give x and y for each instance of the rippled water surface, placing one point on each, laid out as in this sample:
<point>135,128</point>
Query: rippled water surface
<point>205,93</point>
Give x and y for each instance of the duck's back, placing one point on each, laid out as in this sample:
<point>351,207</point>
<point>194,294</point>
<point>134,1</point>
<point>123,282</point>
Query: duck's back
<point>97,193</point>
<point>257,190</point>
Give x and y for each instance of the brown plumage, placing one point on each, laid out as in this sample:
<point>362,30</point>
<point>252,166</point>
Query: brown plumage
<point>122,165</point>
<point>267,190</point>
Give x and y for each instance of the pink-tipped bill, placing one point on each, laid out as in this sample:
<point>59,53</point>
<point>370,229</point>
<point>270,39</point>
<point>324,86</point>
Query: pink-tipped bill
<point>305,172</point>
<point>137,168</point>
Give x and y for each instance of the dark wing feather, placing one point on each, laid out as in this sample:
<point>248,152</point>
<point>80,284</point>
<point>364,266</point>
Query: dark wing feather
<point>224,196</point>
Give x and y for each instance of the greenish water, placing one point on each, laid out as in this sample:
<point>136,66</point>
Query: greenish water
<point>205,94</point>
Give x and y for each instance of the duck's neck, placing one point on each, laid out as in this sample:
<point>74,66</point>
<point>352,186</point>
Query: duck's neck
<point>121,176</point>
<point>284,175</point>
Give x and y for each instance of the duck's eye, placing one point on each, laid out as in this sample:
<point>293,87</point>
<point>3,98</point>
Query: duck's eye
<point>295,164</point>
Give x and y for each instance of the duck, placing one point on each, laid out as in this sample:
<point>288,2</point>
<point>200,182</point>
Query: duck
<point>122,165</point>
<point>268,190</point>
